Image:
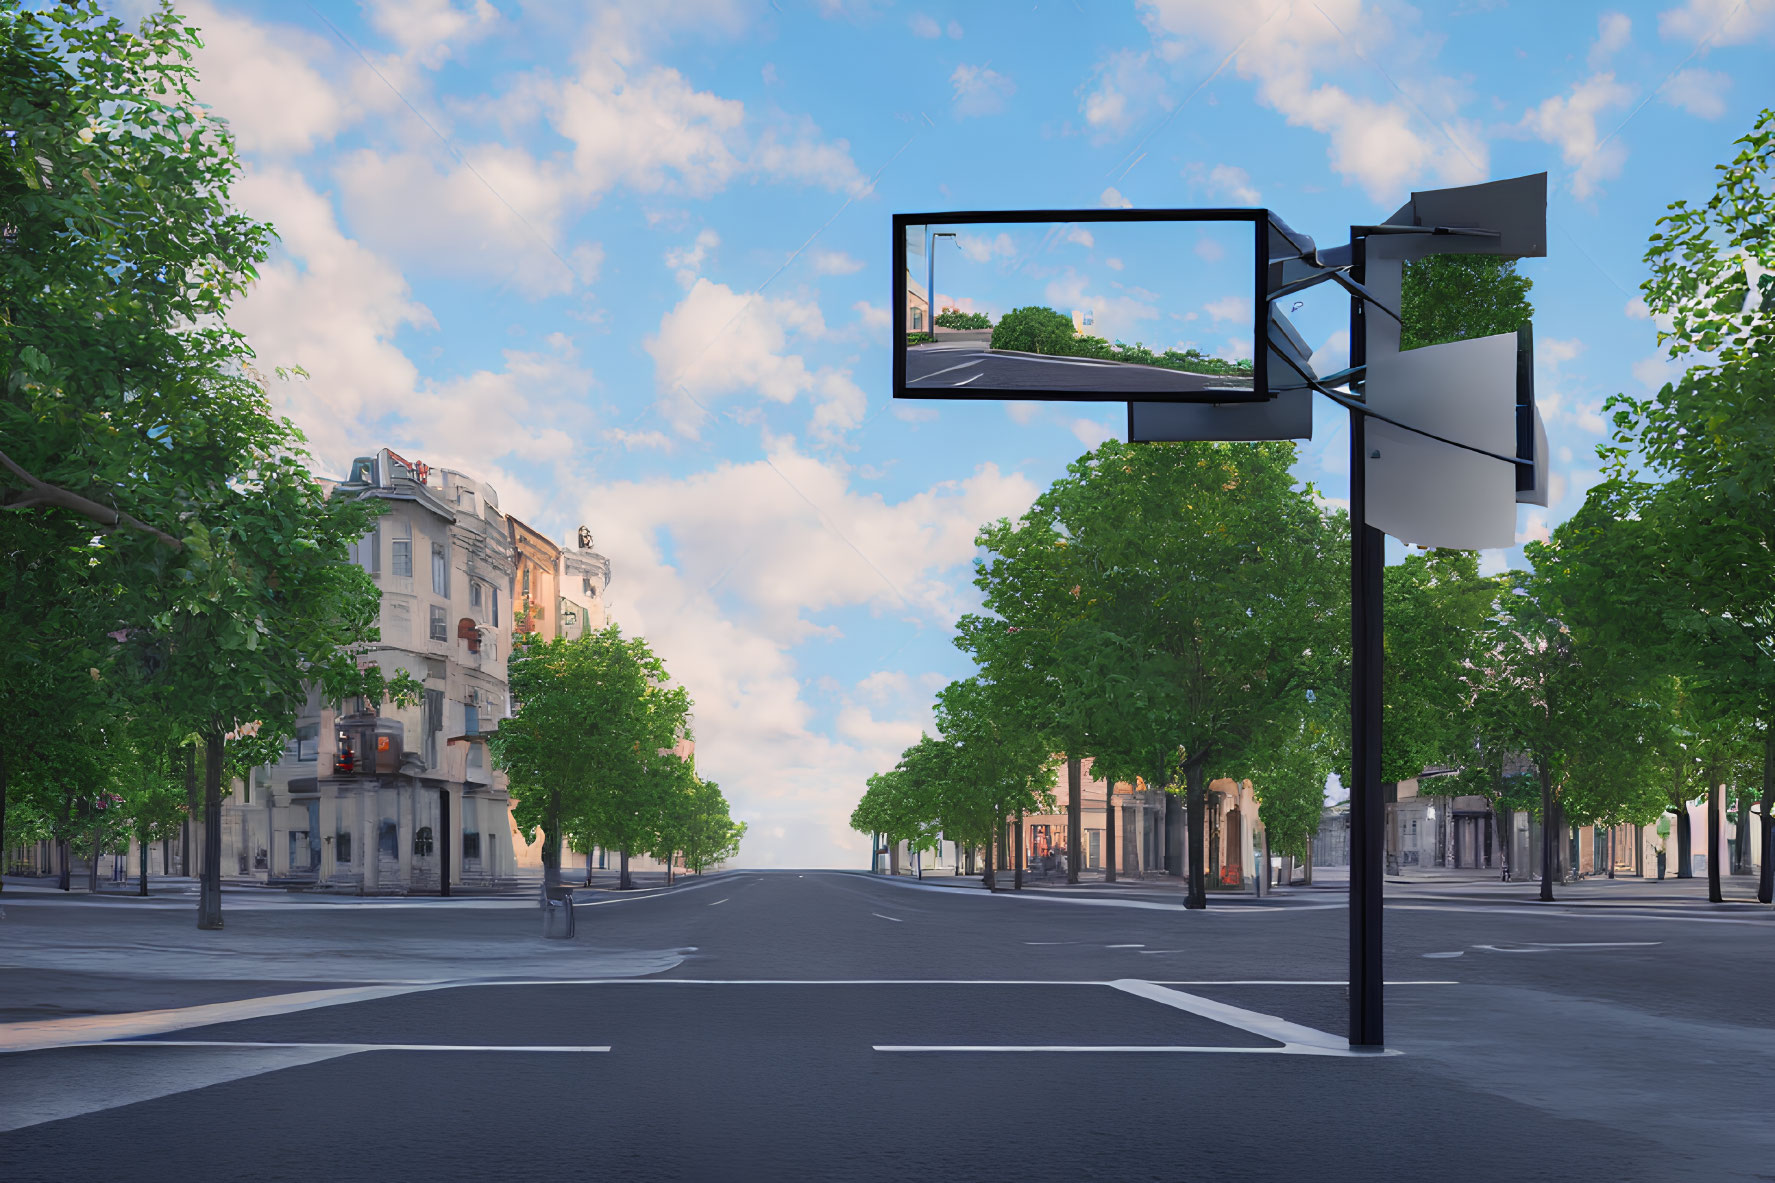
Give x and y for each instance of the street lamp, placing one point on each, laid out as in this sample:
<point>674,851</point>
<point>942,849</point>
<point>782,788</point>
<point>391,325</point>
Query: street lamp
<point>930,279</point>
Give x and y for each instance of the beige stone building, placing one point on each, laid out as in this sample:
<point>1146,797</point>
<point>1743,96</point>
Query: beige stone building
<point>389,800</point>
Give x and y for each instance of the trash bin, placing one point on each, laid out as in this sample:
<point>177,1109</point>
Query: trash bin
<point>557,913</point>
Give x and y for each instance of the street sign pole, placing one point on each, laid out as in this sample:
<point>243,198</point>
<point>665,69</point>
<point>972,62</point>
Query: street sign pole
<point>1367,810</point>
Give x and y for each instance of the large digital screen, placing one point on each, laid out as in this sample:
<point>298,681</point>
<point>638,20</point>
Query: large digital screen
<point>1087,305</point>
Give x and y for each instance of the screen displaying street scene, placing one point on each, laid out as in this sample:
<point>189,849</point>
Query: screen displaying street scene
<point>1085,309</point>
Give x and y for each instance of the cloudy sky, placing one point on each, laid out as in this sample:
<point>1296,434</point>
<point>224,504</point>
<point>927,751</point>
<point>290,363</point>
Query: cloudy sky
<point>629,262</point>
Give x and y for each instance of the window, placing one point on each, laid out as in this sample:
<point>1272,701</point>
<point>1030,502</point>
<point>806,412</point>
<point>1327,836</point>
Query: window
<point>342,846</point>
<point>471,846</point>
<point>422,840</point>
<point>495,607</point>
<point>471,718</point>
<point>918,320</point>
<point>403,551</point>
<point>306,745</point>
<point>439,627</point>
<point>387,837</point>
<point>366,552</point>
<point>526,583</point>
<point>474,593</point>
<point>440,569</point>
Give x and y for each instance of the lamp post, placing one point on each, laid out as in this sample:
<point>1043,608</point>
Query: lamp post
<point>930,279</point>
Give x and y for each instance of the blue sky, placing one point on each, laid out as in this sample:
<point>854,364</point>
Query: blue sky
<point>630,263</point>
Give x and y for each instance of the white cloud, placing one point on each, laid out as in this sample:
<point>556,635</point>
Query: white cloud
<point>980,90</point>
<point>1334,354</point>
<point>1234,308</point>
<point>427,30</point>
<point>1655,371</point>
<point>1022,413</point>
<point>1613,31</point>
<point>265,81</point>
<point>1091,432</point>
<point>687,260</point>
<point>835,263</point>
<point>1535,530</point>
<point>719,342</point>
<point>1080,235</point>
<point>1494,562</point>
<point>873,316</point>
<point>1208,250</point>
<point>1569,123</point>
<point>1124,89</point>
<point>1701,93</point>
<point>1554,352</point>
<point>1231,181</point>
<point>1725,22</point>
<point>980,249</point>
<point>636,441</point>
<point>1235,349</point>
<point>504,223</point>
<point>925,26</point>
<point>1114,264</point>
<point>1589,416</point>
<point>953,28</point>
<point>1382,146</point>
<point>1636,309</point>
<point>1112,198</point>
<point>743,527</point>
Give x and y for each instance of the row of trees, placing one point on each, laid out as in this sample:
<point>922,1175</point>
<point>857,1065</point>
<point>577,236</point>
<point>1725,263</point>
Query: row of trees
<point>1036,329</point>
<point>596,756</point>
<point>1180,612</point>
<point>174,579</point>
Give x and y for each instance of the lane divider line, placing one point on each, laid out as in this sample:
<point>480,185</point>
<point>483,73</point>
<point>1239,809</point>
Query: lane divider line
<point>895,919</point>
<point>347,1047</point>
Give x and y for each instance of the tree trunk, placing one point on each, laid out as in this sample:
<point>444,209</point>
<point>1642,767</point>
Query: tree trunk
<point>551,845</point>
<point>991,879</point>
<point>1503,827</point>
<point>1109,831</point>
<point>624,883</point>
<point>1197,803</point>
<point>669,869</point>
<point>2,817</point>
<point>191,807</point>
<point>1306,866</point>
<point>893,856</point>
<point>1017,859</point>
<point>209,895</point>
<point>1174,835</point>
<point>142,842</point>
<point>1766,864</point>
<point>65,879</point>
<point>1549,832</point>
<point>1715,835</point>
<point>1741,839</point>
<point>1611,852</point>
<point>1685,863</point>
<point>1075,816</point>
<point>92,874</point>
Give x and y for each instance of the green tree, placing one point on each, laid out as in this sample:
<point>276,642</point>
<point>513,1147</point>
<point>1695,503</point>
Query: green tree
<point>1000,768</point>
<point>1711,433</point>
<point>589,751</point>
<point>1187,590</point>
<point>1033,329</point>
<point>1460,297</point>
<point>704,831</point>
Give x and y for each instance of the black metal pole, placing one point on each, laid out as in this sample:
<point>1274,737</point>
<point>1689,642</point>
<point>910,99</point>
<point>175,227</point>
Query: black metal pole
<point>1366,808</point>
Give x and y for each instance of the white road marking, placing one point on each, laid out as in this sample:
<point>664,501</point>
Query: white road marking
<point>1456,953</point>
<point>1126,947</point>
<point>1285,1050</point>
<point>965,381</point>
<point>1295,1038</point>
<point>37,1034</point>
<point>964,365</point>
<point>1549,946</point>
<point>350,1047</point>
<point>722,900</point>
<point>895,919</point>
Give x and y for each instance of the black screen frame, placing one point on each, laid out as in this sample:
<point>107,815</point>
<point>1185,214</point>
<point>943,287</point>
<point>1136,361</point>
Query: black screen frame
<point>1260,226</point>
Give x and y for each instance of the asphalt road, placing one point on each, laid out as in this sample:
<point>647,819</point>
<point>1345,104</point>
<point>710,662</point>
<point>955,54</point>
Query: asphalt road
<point>825,1025</point>
<point>970,367</point>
